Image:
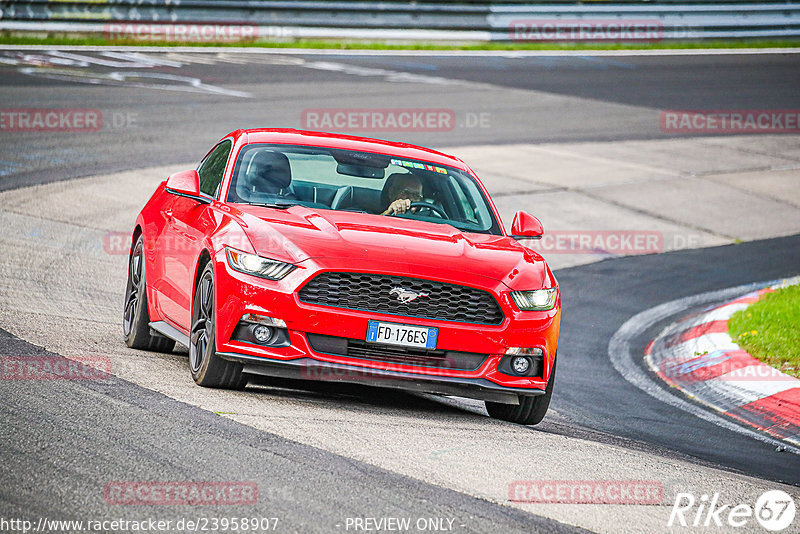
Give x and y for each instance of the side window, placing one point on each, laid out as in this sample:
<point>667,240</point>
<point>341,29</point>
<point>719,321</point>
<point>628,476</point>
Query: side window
<point>213,167</point>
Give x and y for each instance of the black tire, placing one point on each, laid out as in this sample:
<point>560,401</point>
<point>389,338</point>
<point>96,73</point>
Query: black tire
<point>135,317</point>
<point>208,369</point>
<point>529,411</point>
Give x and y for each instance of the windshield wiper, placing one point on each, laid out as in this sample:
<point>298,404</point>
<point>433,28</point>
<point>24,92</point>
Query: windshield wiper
<point>276,205</point>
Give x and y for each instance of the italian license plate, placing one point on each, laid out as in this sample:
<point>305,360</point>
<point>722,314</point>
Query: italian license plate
<point>403,335</point>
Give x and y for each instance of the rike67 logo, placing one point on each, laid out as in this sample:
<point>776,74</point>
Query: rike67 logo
<point>774,510</point>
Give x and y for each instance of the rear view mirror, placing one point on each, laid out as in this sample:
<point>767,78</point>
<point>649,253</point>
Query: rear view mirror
<point>360,171</point>
<point>184,183</point>
<point>527,226</point>
<point>360,164</point>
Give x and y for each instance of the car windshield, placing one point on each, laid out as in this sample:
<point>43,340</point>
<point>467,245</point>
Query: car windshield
<point>332,179</point>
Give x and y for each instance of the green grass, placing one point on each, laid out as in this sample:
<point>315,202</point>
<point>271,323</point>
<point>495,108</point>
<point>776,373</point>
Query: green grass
<point>379,45</point>
<point>770,329</point>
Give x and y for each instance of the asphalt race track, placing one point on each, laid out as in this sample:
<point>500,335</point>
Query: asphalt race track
<point>320,454</point>
<point>61,453</point>
<point>146,126</point>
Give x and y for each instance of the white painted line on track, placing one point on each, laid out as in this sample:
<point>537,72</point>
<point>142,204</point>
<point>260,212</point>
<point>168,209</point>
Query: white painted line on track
<point>423,53</point>
<point>624,361</point>
<point>144,80</point>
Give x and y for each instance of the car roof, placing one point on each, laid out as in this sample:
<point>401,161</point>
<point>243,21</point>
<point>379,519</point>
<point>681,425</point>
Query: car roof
<point>289,136</point>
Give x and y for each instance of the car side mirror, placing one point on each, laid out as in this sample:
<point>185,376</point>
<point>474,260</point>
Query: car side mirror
<point>186,183</point>
<point>526,226</point>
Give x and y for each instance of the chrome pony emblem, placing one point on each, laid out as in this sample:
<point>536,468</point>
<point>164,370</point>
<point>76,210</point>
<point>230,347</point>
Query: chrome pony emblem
<point>406,295</point>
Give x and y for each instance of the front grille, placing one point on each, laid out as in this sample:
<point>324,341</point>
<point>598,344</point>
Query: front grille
<point>360,349</point>
<point>371,292</point>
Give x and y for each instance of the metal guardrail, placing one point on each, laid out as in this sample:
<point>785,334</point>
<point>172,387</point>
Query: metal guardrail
<point>427,20</point>
<point>676,21</point>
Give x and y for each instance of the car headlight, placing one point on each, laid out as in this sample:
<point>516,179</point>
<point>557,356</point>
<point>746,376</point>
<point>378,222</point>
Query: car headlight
<point>258,266</point>
<point>538,300</point>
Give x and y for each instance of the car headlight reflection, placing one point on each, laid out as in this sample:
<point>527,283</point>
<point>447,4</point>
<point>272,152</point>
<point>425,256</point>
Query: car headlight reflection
<point>537,300</point>
<point>258,266</point>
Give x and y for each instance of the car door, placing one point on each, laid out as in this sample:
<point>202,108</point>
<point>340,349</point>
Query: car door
<point>188,222</point>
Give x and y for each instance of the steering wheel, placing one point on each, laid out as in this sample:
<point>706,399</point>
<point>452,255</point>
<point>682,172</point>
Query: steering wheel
<point>425,206</point>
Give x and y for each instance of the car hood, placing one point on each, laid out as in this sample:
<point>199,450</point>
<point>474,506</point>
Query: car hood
<point>365,242</point>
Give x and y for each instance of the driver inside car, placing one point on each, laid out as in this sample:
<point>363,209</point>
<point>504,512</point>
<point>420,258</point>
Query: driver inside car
<point>400,190</point>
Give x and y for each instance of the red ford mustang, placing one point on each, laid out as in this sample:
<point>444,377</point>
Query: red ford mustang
<point>329,257</point>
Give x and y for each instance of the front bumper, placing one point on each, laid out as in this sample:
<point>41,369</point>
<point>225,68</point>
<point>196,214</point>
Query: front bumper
<point>239,294</point>
<point>311,369</point>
